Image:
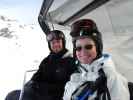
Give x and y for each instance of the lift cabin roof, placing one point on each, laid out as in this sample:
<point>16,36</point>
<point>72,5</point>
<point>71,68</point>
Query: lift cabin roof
<point>60,13</point>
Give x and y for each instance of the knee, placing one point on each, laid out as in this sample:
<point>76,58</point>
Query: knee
<point>13,95</point>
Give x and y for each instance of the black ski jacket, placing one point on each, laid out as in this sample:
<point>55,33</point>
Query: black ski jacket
<point>54,71</point>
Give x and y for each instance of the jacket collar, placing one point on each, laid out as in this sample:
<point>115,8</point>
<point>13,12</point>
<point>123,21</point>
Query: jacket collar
<point>97,64</point>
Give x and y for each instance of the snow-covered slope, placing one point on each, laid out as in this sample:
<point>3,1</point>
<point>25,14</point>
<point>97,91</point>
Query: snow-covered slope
<point>22,47</point>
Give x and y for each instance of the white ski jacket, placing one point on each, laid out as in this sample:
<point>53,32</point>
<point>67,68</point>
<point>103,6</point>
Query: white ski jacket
<point>117,84</point>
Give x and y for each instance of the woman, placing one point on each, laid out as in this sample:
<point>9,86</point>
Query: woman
<point>93,66</point>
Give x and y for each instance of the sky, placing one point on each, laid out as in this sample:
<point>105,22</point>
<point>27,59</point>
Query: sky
<point>26,11</point>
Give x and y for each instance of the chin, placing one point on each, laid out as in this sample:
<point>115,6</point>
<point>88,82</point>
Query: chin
<point>56,50</point>
<point>85,62</point>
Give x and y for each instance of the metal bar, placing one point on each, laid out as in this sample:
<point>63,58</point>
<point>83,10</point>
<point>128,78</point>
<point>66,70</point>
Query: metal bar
<point>24,81</point>
<point>42,15</point>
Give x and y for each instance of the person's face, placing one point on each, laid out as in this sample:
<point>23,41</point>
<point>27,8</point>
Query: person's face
<point>56,45</point>
<point>85,50</point>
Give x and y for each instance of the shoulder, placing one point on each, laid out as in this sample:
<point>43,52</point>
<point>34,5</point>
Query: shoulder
<point>68,57</point>
<point>67,54</point>
<point>109,66</point>
<point>108,62</point>
<point>44,61</point>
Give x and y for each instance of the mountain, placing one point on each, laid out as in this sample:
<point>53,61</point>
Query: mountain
<point>22,47</point>
<point>7,25</point>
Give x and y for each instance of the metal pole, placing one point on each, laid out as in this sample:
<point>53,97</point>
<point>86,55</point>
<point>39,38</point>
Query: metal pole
<point>24,81</point>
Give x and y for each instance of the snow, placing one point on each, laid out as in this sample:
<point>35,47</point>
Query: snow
<point>22,47</point>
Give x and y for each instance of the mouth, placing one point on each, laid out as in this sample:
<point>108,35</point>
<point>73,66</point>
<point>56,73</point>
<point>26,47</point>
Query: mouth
<point>87,58</point>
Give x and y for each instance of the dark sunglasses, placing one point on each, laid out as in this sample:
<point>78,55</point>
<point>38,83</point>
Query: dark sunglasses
<point>87,47</point>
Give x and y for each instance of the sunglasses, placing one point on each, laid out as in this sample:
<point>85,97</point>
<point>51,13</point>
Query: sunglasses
<point>86,47</point>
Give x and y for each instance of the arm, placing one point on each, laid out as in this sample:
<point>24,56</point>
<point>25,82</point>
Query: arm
<point>38,75</point>
<point>116,83</point>
<point>72,85</point>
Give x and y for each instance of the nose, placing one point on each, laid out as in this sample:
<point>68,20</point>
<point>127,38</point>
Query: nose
<point>84,51</point>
